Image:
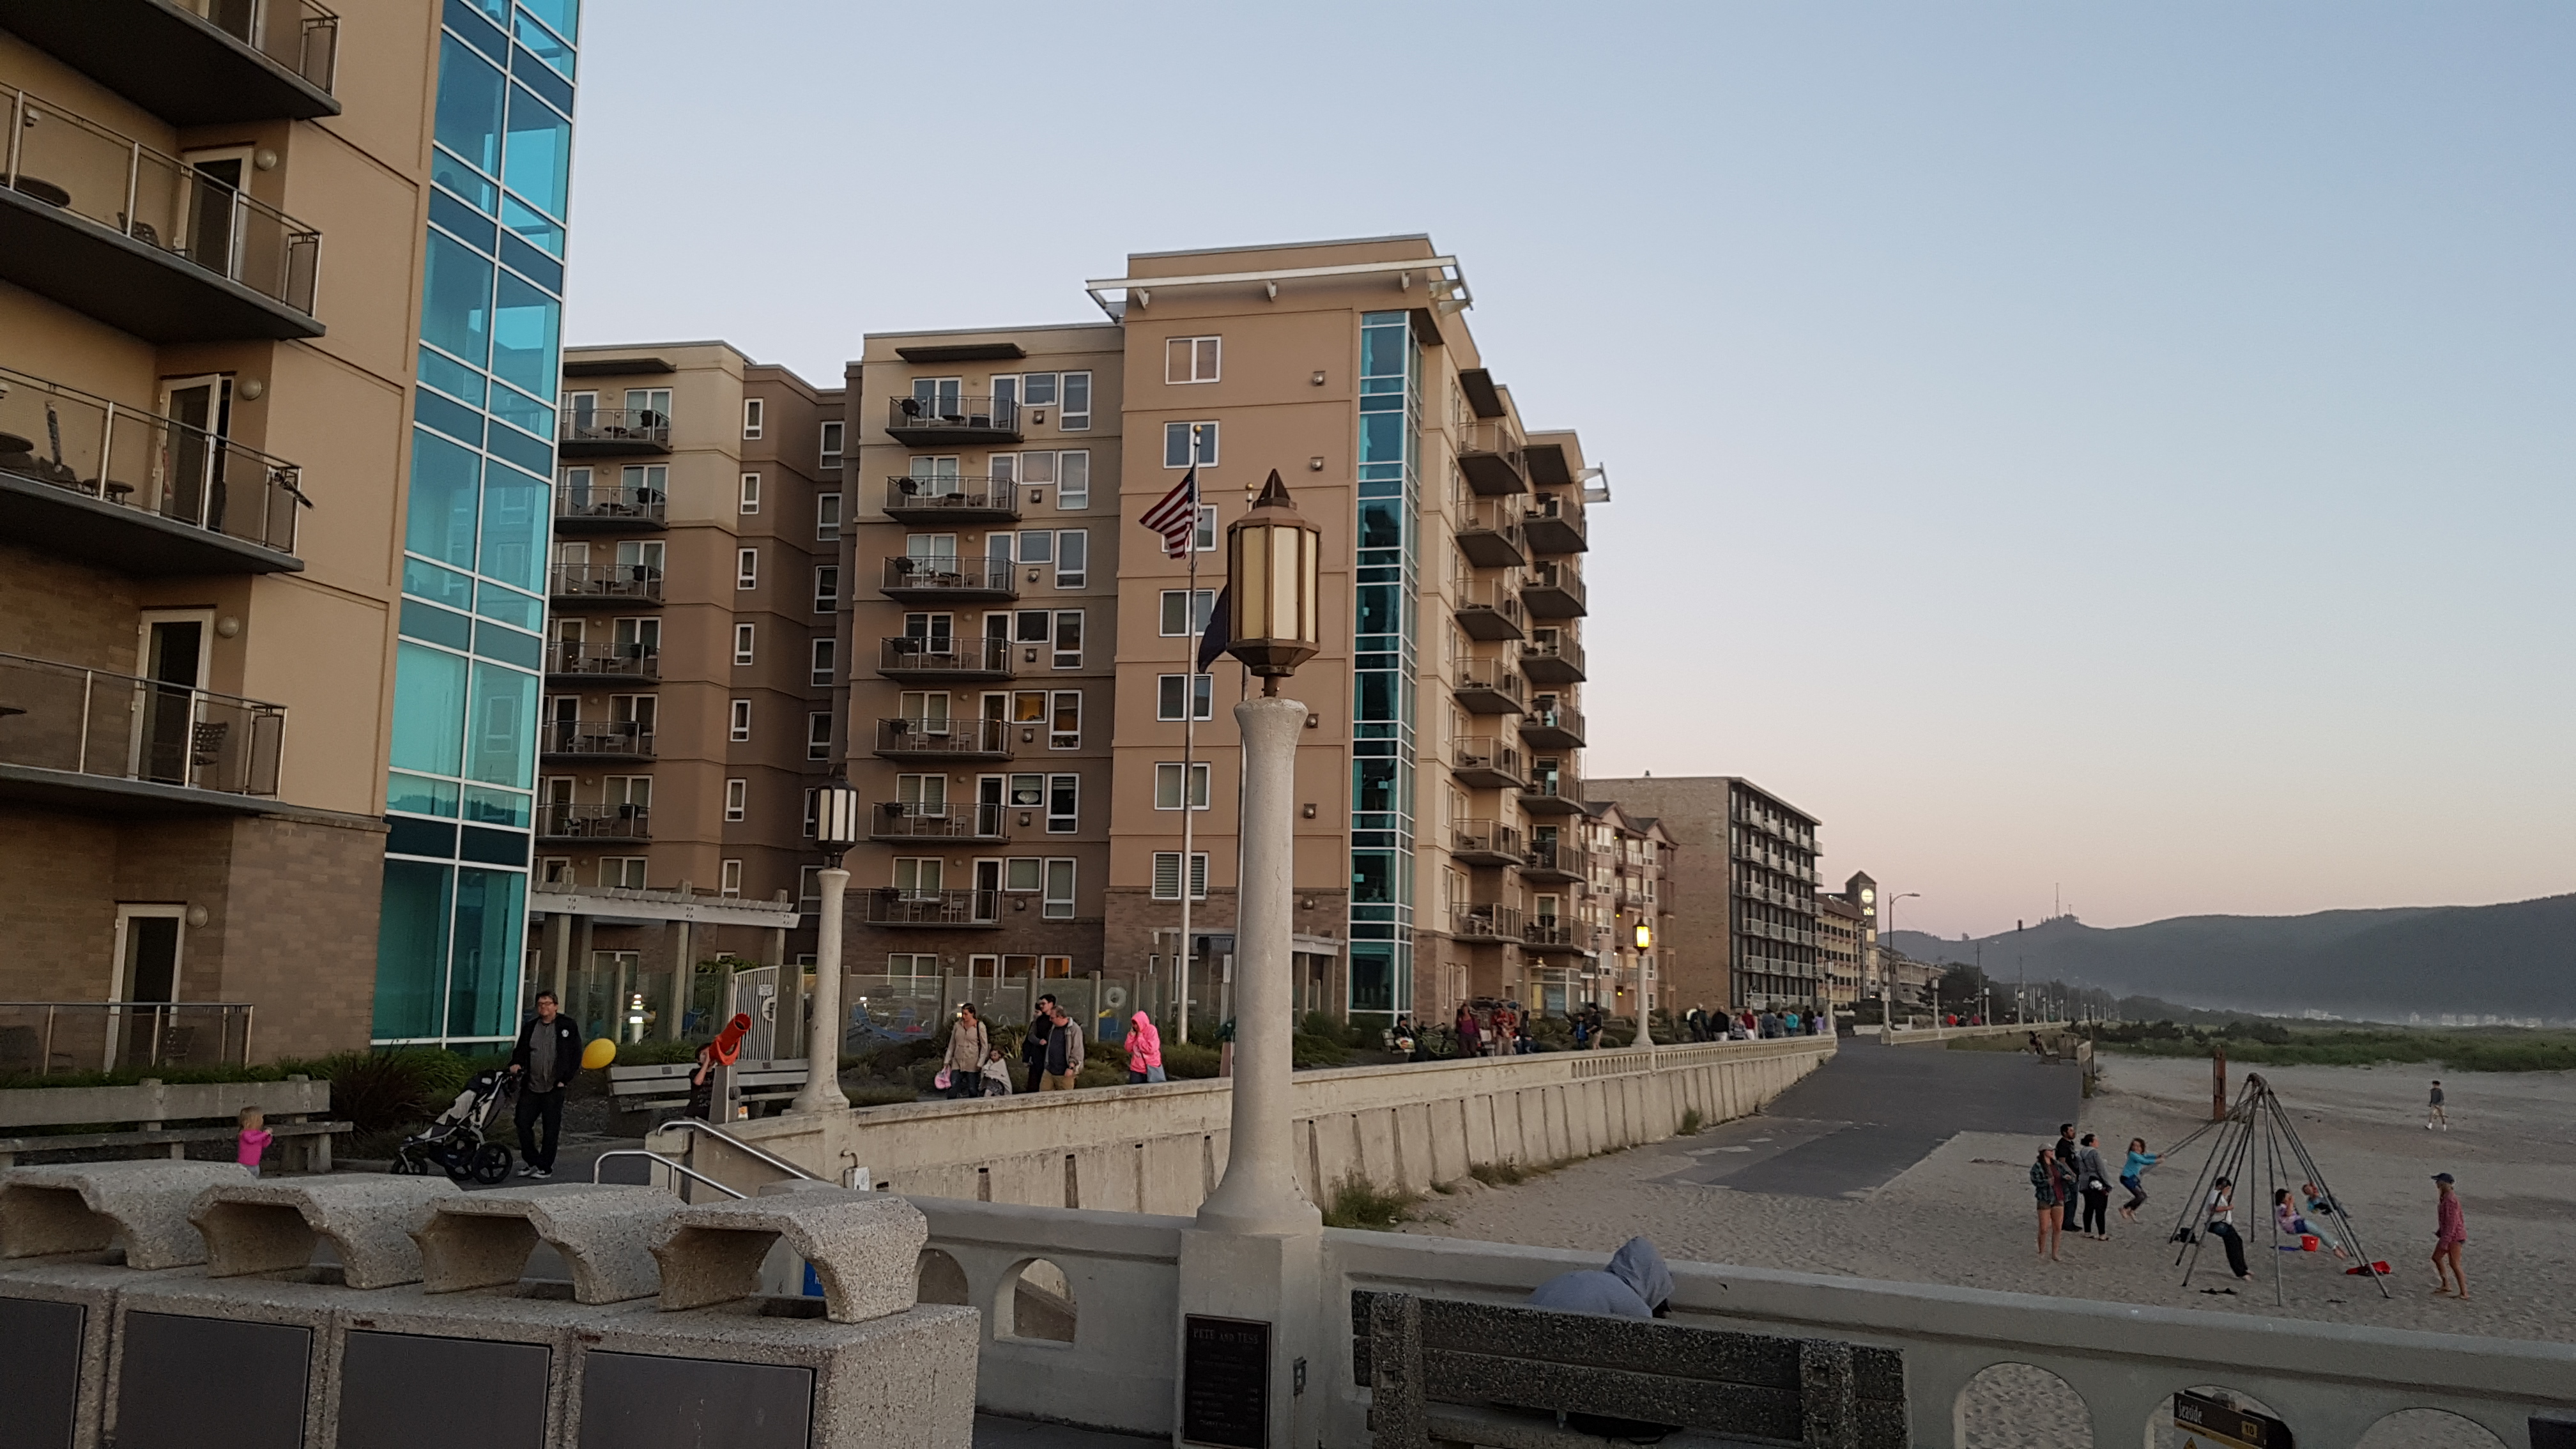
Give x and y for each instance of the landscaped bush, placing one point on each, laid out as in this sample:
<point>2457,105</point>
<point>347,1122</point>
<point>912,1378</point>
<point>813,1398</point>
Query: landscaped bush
<point>1188,1059</point>
<point>1318,1051</point>
<point>1359,1203</point>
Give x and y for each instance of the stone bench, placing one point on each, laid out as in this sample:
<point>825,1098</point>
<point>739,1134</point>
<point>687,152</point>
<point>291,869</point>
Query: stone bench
<point>1438,1369</point>
<point>641,1089</point>
<point>301,1146</point>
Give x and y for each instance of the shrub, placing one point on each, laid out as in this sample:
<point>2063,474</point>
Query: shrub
<point>1500,1174</point>
<point>1360,1203</point>
<point>1188,1059</point>
<point>382,1092</point>
<point>655,1053</point>
<point>1553,1033</point>
<point>1691,1123</point>
<point>1317,1051</point>
<point>878,1094</point>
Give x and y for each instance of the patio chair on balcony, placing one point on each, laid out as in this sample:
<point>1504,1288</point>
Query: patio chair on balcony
<point>206,744</point>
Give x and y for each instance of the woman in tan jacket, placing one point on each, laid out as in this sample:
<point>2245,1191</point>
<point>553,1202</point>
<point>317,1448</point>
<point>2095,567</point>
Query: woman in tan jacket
<point>968,1045</point>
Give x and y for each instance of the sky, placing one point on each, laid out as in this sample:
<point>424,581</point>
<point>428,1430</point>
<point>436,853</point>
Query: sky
<point>2110,454</point>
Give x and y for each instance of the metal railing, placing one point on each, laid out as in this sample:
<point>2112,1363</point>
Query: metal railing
<point>1554,785</point>
<point>114,181</point>
<point>641,582</point>
<point>964,575</point>
<point>650,426</point>
<point>1478,752</point>
<point>943,737</point>
<point>297,34</point>
<point>136,459</point>
<point>910,820</point>
<point>1489,453</point>
<point>56,716</point>
<point>956,653</point>
<point>1554,717</point>
<point>1501,600</point>
<point>1547,931</point>
<point>595,822</point>
<point>609,500</point>
<point>1486,516</point>
<point>1550,511</point>
<point>1559,857</point>
<point>41,1037</point>
<point>598,737</point>
<point>893,907</point>
<point>1560,649</point>
<point>951,494</point>
<point>606,661</point>
<point>1485,837</point>
<point>957,413</point>
<point>1486,677</point>
<point>1561,577</point>
<point>1485,923</point>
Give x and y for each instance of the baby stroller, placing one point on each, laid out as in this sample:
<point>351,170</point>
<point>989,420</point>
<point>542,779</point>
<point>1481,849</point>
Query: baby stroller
<point>454,1144</point>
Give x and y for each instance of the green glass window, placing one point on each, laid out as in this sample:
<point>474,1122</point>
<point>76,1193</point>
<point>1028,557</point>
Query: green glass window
<point>483,967</point>
<point>411,948</point>
<point>469,106</point>
<point>429,581</point>
<point>444,489</point>
<point>538,165</point>
<point>502,747</point>
<point>429,710</point>
<point>514,526</point>
<point>563,15</point>
<point>417,796</point>
<point>456,300</point>
<point>523,337</point>
<point>496,807</point>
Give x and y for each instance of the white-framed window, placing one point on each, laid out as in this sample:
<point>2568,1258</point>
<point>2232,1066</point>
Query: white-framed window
<point>737,798</point>
<point>1170,691</point>
<point>738,721</point>
<point>1167,875</point>
<point>1191,359</point>
<point>825,663</point>
<point>1073,479</point>
<point>644,483</point>
<point>809,878</point>
<point>827,588</point>
<point>818,737</point>
<point>1063,803</point>
<point>743,637</point>
<point>827,517</point>
<point>1072,557</point>
<point>1167,785</point>
<point>746,568</point>
<point>750,503</point>
<point>1205,541</point>
<point>751,414</point>
<point>1022,873</point>
<point>1033,546</point>
<point>920,874</point>
<point>831,445</point>
<point>1068,638</point>
<point>1064,720</point>
<point>1176,444</point>
<point>912,963</point>
<point>728,877</point>
<point>1057,903</point>
<point>622,872</point>
<point>1076,417</point>
<point>1180,619</point>
<point>555,870</point>
<point>654,400</point>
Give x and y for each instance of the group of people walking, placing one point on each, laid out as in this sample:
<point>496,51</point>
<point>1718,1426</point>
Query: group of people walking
<point>1751,1025</point>
<point>1050,1053</point>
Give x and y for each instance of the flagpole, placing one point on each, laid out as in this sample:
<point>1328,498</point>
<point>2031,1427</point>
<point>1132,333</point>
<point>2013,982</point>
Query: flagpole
<point>1189,728</point>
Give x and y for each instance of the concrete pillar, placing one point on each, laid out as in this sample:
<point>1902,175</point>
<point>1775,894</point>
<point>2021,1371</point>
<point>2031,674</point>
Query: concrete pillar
<point>684,981</point>
<point>560,926</point>
<point>822,1091</point>
<point>590,970</point>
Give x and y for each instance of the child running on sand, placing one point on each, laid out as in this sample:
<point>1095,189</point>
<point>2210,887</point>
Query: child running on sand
<point>2131,1171</point>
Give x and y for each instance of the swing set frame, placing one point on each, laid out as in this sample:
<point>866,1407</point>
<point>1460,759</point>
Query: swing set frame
<point>2257,1134</point>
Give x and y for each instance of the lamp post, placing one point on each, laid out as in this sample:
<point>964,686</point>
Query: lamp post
<point>837,812</point>
<point>1887,929</point>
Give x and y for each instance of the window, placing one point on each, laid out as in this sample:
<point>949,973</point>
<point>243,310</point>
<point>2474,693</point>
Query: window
<point>1186,613</point>
<point>1169,689</point>
<point>739,724</point>
<point>555,870</point>
<point>1072,555</point>
<point>831,443</point>
<point>1205,542</point>
<point>751,417</point>
<point>1073,480</point>
<point>1076,417</point>
<point>1167,875</point>
<point>827,588</point>
<point>823,666</point>
<point>737,798</point>
<point>1176,444</point>
<point>919,874</point>
<point>1064,723</point>
<point>746,568</point>
<point>742,641</point>
<point>1064,796</point>
<point>1021,872</point>
<point>1068,638</point>
<point>1028,706</point>
<point>1037,546</point>
<point>809,878</point>
<point>729,878</point>
<point>622,872</point>
<point>1059,891</point>
<point>1190,359</point>
<point>827,517</point>
<point>818,737</point>
<point>1167,786</point>
<point>750,493</point>
<point>1038,389</point>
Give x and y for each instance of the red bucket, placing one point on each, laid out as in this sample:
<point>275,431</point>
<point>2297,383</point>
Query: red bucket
<point>2308,1243</point>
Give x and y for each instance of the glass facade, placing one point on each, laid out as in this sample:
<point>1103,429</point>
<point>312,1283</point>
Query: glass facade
<point>1388,532</point>
<point>460,796</point>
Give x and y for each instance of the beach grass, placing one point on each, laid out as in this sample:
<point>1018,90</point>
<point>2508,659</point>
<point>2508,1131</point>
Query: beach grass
<point>1360,1203</point>
<point>2492,1049</point>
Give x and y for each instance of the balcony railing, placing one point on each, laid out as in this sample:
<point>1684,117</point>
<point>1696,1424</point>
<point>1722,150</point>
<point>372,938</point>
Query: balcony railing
<point>1479,760</point>
<point>951,499</point>
<point>1553,726</point>
<point>594,822</point>
<point>1489,453</point>
<point>599,737</point>
<point>1553,792</point>
<point>297,34</point>
<point>962,577</point>
<point>613,430</point>
<point>1489,534</point>
<point>610,502</point>
<point>961,655</point>
<point>909,820</point>
<point>1485,923</point>
<point>1552,933</point>
<point>103,449</point>
<point>890,906</point>
<point>955,418</point>
<point>114,181</point>
<point>1554,591</point>
<point>606,661</point>
<point>631,582</point>
<point>1554,524</point>
<point>56,716</point>
<point>38,1038</point>
<point>1557,858</point>
<point>1556,660</point>
<point>1486,841</point>
<point>1486,687</point>
<point>929,738</point>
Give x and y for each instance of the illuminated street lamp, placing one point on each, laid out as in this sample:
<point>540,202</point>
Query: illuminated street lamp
<point>838,812</point>
<point>1274,559</point>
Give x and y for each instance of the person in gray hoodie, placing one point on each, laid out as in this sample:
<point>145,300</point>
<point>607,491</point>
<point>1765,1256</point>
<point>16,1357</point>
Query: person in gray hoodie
<point>1636,1284</point>
<point>2095,1180</point>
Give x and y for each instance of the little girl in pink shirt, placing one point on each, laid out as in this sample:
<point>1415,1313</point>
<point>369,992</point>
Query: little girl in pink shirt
<point>255,1138</point>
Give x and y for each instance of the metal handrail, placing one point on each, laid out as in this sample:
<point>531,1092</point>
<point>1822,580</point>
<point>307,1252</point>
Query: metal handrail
<point>692,1124</point>
<point>672,1163</point>
<point>136,458</point>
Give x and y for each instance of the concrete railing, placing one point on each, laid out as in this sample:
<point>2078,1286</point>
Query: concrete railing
<point>1911,1036</point>
<point>156,1102</point>
<point>1161,1149</point>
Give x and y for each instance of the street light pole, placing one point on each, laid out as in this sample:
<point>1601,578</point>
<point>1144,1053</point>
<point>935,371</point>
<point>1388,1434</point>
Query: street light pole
<point>836,828</point>
<point>1887,929</point>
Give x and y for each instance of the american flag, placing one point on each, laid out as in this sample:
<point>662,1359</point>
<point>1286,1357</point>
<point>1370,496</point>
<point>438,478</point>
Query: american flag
<point>1176,518</point>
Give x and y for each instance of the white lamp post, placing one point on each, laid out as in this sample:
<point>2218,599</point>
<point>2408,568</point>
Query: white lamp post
<point>837,812</point>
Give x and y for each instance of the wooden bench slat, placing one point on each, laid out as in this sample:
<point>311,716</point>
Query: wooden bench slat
<point>1451,1377</point>
<point>1501,1430</point>
<point>1645,1345</point>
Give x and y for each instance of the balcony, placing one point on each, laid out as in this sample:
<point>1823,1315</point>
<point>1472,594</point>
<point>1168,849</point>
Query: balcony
<point>594,822</point>
<point>1550,860</point>
<point>1552,660</point>
<point>957,658</point>
<point>901,820</point>
<point>607,507</point>
<point>1484,923</point>
<point>1489,534</point>
<point>89,478</point>
<point>1553,792</point>
<point>1488,611</point>
<point>1553,727</point>
<point>95,740</point>
<point>949,580</point>
<point>193,62</point>
<point>952,500</point>
<point>1554,591</point>
<point>612,432</point>
<point>891,906</point>
<point>1485,687</point>
<point>598,739</point>
<point>604,583</point>
<point>946,421</point>
<point>577,664</point>
<point>1485,842</point>
<point>1553,935</point>
<point>1489,453</point>
<point>1487,764</point>
<point>1553,524</point>
<point>943,739</point>
<point>141,240</point>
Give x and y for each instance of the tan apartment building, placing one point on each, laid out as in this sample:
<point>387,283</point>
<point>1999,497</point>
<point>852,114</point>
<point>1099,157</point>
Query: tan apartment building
<point>211,264</point>
<point>1838,949</point>
<point>1019,714</point>
<point>1626,903</point>
<point>1746,930</point>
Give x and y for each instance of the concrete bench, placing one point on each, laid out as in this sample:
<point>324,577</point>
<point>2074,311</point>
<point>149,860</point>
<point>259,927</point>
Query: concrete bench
<point>152,1104</point>
<point>301,1146</point>
<point>1439,1369</point>
<point>640,1089</point>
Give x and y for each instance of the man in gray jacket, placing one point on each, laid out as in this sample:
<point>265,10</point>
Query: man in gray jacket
<point>1063,1052</point>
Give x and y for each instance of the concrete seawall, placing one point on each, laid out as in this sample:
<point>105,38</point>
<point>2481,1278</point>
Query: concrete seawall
<point>1160,1149</point>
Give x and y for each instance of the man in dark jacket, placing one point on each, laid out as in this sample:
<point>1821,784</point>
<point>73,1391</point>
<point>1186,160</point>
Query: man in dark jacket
<point>1033,1046</point>
<point>544,1061</point>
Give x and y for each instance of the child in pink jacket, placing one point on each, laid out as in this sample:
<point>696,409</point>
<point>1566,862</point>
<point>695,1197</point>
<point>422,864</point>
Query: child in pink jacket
<point>254,1140</point>
<point>1144,1050</point>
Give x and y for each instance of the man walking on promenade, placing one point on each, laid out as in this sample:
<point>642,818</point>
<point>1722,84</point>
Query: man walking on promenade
<point>2434,1115</point>
<point>1033,1046</point>
<point>1063,1053</point>
<point>546,1058</point>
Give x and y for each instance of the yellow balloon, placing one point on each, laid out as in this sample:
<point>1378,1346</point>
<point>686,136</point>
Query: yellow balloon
<point>601,1051</point>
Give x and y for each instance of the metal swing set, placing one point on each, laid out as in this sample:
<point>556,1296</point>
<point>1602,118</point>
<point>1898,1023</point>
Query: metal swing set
<point>2257,1136</point>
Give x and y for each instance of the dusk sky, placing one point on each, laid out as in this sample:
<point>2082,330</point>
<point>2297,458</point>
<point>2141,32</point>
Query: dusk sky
<point>2124,447</point>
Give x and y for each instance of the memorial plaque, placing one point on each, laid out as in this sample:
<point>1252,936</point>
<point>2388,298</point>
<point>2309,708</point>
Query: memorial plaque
<point>1225,1382</point>
<point>40,1372</point>
<point>646,1401</point>
<point>211,1383</point>
<point>2201,1422</point>
<point>381,1375</point>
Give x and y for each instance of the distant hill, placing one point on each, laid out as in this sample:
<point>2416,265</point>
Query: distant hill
<point>2514,960</point>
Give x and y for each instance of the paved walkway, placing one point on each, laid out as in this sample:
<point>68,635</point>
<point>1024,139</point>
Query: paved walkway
<point>1874,1111</point>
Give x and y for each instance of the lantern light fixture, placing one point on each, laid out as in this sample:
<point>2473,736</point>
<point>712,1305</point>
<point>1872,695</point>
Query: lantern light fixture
<point>1273,574</point>
<point>837,815</point>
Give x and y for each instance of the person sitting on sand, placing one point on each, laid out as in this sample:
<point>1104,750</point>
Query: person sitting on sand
<point>2285,1216</point>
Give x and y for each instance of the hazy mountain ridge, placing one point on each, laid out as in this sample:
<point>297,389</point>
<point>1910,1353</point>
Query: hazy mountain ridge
<point>2516,959</point>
